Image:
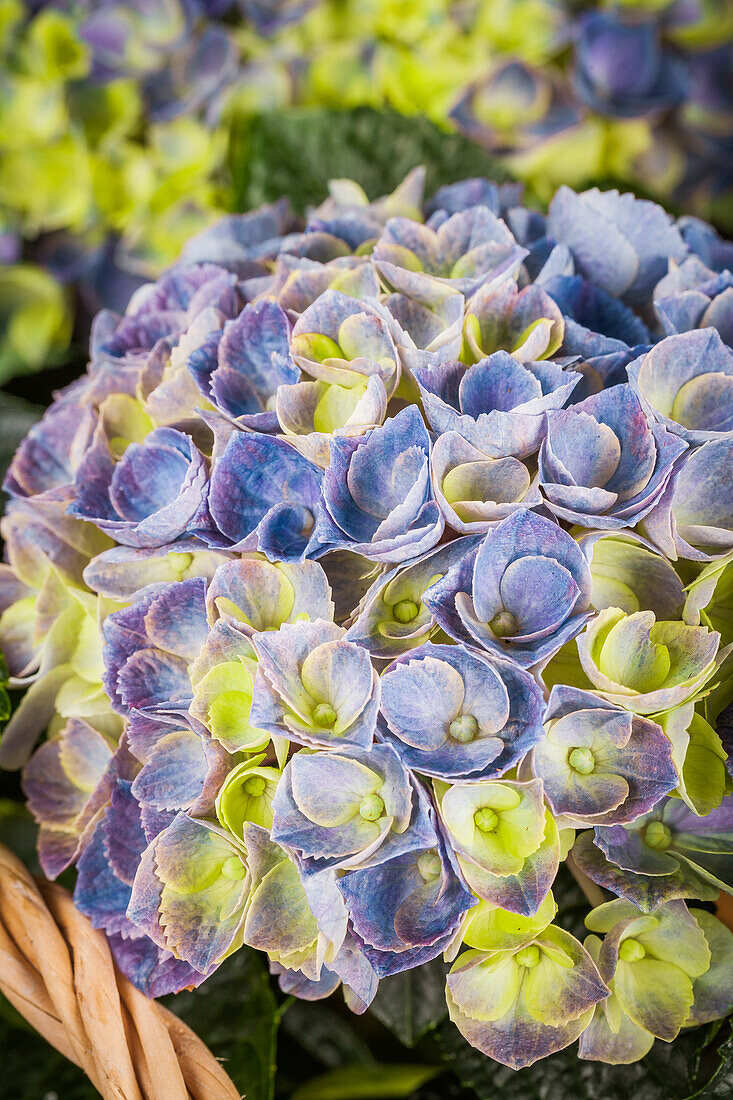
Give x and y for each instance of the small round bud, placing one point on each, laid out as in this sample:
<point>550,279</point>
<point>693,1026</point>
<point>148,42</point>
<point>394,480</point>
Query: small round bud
<point>372,807</point>
<point>504,625</point>
<point>463,728</point>
<point>528,956</point>
<point>254,786</point>
<point>405,611</point>
<point>582,761</point>
<point>631,951</point>
<point>429,865</point>
<point>179,563</point>
<point>324,715</point>
<point>657,835</point>
<point>233,868</point>
<point>485,820</point>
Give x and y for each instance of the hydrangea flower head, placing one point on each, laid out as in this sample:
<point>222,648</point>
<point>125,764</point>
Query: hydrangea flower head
<point>685,383</point>
<point>521,594</point>
<point>591,759</point>
<point>669,852</point>
<point>658,969</point>
<point>505,840</point>
<point>377,497</point>
<point>497,404</point>
<point>314,686</point>
<point>381,562</point>
<point>544,991</point>
<point>452,713</point>
<point>644,665</point>
<point>601,464</point>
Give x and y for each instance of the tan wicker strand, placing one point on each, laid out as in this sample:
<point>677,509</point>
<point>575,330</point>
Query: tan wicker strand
<point>58,972</point>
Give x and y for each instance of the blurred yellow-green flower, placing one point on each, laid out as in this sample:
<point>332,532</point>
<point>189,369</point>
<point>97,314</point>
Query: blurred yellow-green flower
<point>116,122</point>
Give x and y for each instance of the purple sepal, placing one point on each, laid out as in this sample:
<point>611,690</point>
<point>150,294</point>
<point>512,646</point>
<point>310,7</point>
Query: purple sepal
<point>263,496</point>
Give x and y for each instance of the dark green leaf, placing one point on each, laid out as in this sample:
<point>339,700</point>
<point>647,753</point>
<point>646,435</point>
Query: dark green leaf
<point>689,1067</point>
<point>32,1070</point>
<point>386,1082</point>
<point>296,153</point>
<point>715,1066</point>
<point>18,832</point>
<point>12,1018</point>
<point>324,1034</point>
<point>236,1015</point>
<point>412,1003</point>
<point>16,417</point>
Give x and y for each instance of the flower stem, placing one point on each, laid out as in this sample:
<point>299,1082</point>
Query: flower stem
<point>593,893</point>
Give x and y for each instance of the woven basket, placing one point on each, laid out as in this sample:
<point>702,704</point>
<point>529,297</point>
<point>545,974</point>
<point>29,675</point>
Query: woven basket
<point>58,972</point>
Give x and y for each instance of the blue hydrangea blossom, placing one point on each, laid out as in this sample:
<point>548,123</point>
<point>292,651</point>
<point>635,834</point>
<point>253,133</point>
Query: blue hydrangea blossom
<point>370,571</point>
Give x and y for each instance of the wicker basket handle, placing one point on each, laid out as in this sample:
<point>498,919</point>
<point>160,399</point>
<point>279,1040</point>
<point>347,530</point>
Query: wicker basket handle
<point>58,972</point>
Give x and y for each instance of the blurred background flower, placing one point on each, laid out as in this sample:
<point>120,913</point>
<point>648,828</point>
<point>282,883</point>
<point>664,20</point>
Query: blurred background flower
<point>122,123</point>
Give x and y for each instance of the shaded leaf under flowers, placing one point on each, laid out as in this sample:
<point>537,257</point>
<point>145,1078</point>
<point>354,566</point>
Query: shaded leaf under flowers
<point>240,1030</point>
<point>697,1064</point>
<point>412,1003</point>
<point>370,1082</point>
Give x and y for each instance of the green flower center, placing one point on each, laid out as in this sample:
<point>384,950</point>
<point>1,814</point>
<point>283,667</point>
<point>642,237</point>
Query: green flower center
<point>179,563</point>
<point>324,715</point>
<point>233,868</point>
<point>657,835</point>
<point>429,866</point>
<point>463,728</point>
<point>631,951</point>
<point>228,713</point>
<point>372,807</point>
<point>630,655</point>
<point>528,956</point>
<point>254,786</point>
<point>582,761</point>
<point>485,820</point>
<point>405,611</point>
<point>504,624</point>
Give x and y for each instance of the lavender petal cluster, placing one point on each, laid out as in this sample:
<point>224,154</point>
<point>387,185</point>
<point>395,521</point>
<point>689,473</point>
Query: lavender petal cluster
<point>353,595</point>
